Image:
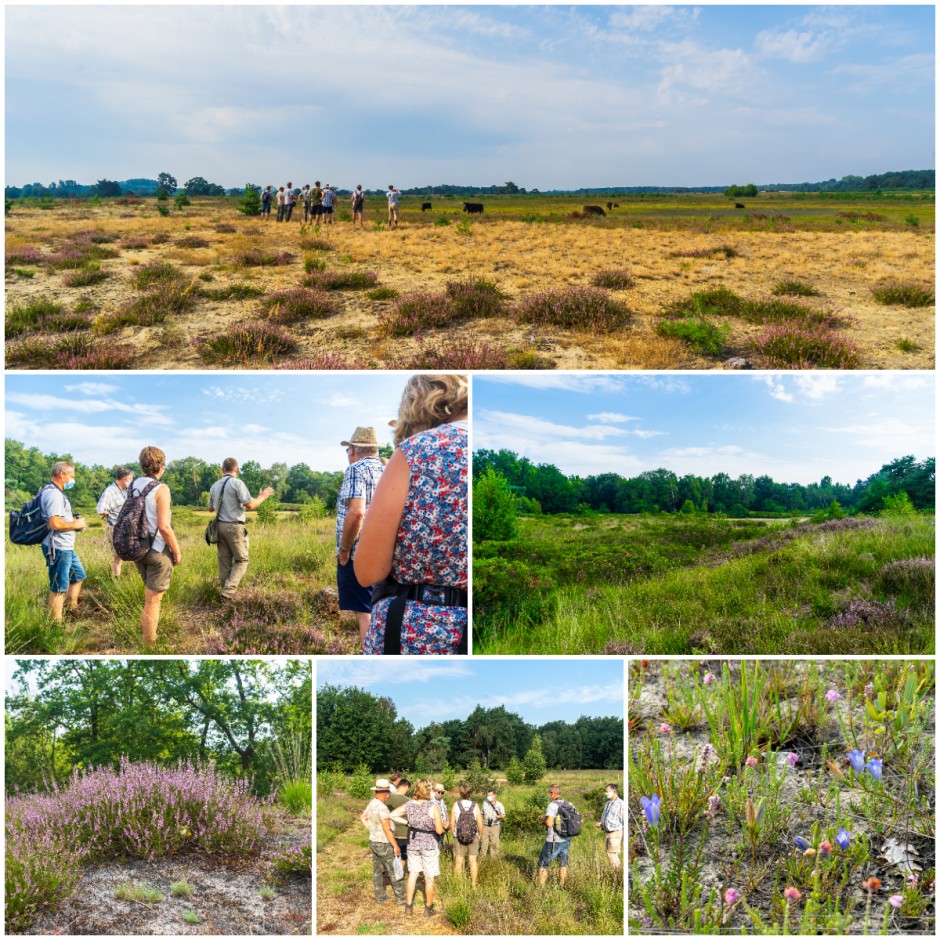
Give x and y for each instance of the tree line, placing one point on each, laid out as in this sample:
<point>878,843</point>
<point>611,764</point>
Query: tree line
<point>544,488</point>
<point>189,478</point>
<point>355,727</point>
<point>87,713</point>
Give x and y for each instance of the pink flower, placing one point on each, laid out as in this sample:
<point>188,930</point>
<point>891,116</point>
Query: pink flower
<point>832,696</point>
<point>665,728</point>
<point>751,762</point>
<point>793,757</point>
<point>792,895</point>
<point>709,678</point>
<point>825,847</point>
<point>896,900</point>
<point>731,897</point>
<point>869,690</point>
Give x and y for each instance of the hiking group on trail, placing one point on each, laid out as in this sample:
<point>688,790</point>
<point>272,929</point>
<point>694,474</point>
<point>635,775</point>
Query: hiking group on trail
<point>319,203</point>
<point>408,836</point>
<point>401,528</point>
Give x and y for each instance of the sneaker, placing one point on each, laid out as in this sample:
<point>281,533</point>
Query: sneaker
<point>409,908</point>
<point>429,911</point>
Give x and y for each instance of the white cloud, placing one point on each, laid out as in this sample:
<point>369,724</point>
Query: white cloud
<point>611,417</point>
<point>92,388</point>
<point>777,389</point>
<point>818,386</point>
<point>538,428</point>
<point>794,46</point>
<point>152,414</point>
<point>378,672</point>
<point>584,383</point>
<point>254,428</point>
<point>340,400</point>
<point>896,381</point>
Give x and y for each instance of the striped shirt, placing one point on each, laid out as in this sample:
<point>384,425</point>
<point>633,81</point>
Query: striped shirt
<point>612,815</point>
<point>112,499</point>
<point>359,482</point>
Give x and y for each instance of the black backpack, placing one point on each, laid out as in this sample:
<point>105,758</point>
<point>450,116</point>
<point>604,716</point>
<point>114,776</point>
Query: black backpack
<point>466,830</point>
<point>28,526</point>
<point>568,821</point>
<point>130,537</point>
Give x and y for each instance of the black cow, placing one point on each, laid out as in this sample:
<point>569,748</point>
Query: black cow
<point>616,205</point>
<point>425,207</point>
<point>610,206</point>
<point>594,210</point>
<point>739,205</point>
<point>472,207</point>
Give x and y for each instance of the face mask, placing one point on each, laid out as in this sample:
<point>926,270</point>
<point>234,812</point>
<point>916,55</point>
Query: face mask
<point>609,795</point>
<point>68,485</point>
<point>492,799</point>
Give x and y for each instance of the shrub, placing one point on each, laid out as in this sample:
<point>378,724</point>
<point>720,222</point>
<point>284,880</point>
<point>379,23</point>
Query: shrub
<point>908,293</point>
<point>421,310</point>
<point>527,818</point>
<point>727,251</point>
<point>585,308</point>
<point>908,576</point>
<point>155,306</point>
<point>788,312</point>
<point>478,778</point>
<point>299,304</point>
<point>461,353</point>
<point>163,210</point>
<point>534,764</point>
<point>315,244</point>
<point>323,361</point>
<point>192,241</point>
<point>510,592</point>
<point>799,288</point>
<point>898,506</point>
<point>382,293</point>
<point>514,772</point>
<point>807,347</point>
<point>494,508</point>
<point>181,200</point>
<point>296,859</point>
<point>867,614</point>
<point>250,202</point>
<point>25,256</point>
<point>475,297</point>
<point>28,316</point>
<point>719,302</point>
<point>231,292</point>
<point>341,280</point>
<point>258,258</point>
<point>157,272</point>
<point>703,336</point>
<point>613,280</point>
<point>161,238</point>
<point>85,277</point>
<point>78,351</point>
<point>251,340</point>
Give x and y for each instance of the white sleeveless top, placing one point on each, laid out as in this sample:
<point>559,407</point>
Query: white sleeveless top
<point>150,508</point>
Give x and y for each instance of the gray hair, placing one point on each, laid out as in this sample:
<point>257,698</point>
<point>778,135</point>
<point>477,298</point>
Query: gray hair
<point>372,449</point>
<point>122,473</point>
<point>60,467</point>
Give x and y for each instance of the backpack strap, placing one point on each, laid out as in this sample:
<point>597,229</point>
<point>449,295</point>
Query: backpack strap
<point>218,508</point>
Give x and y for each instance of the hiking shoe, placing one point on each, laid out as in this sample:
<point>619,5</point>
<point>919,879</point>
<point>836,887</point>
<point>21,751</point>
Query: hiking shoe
<point>409,908</point>
<point>380,900</point>
<point>429,911</point>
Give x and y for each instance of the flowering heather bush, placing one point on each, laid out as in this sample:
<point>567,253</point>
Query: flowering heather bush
<point>460,354</point>
<point>382,293</point>
<point>246,341</point>
<point>78,351</point>
<point>475,297</point>
<point>299,304</point>
<point>315,244</point>
<point>192,241</point>
<point>324,361</point>
<point>295,859</point>
<point>257,258</point>
<point>85,277</point>
<point>909,576</point>
<point>908,293</point>
<point>135,243</point>
<point>69,257</point>
<point>142,810</point>
<point>161,238</point>
<point>25,256</point>
<point>790,312</point>
<point>341,280</point>
<point>583,308</point>
<point>157,272</point>
<point>812,346</point>
<point>23,317</point>
<point>613,280</point>
<point>231,292</point>
<point>870,615</point>
<point>225,228</point>
<point>415,312</point>
<point>622,648</point>
<point>94,237</point>
<point>246,635</point>
<point>166,299</point>
<point>800,288</point>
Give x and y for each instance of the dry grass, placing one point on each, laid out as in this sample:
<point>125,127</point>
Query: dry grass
<point>520,257</point>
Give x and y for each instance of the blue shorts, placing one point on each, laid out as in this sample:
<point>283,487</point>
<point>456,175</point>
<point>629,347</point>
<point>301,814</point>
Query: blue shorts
<point>352,595</point>
<point>64,569</point>
<point>553,850</point>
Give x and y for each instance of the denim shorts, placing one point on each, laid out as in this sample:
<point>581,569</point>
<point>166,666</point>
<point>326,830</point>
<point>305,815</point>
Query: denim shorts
<point>64,569</point>
<point>352,595</point>
<point>553,850</point>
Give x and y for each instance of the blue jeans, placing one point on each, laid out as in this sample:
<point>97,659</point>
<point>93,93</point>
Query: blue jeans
<point>553,850</point>
<point>64,569</point>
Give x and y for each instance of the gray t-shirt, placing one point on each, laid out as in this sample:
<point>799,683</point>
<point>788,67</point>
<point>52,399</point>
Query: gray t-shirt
<point>552,835</point>
<point>55,503</point>
<point>234,500</point>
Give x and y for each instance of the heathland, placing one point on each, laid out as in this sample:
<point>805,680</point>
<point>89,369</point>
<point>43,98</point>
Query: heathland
<point>684,281</point>
<point>793,798</point>
<point>142,797</point>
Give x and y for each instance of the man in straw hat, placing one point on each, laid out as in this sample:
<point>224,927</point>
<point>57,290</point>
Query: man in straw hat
<point>376,818</point>
<point>352,502</point>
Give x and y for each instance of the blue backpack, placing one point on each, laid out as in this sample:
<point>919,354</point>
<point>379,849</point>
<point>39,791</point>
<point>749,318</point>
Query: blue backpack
<point>28,526</point>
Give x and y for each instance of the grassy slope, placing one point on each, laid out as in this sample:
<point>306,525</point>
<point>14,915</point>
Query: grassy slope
<point>774,601</point>
<point>507,899</point>
<point>289,564</point>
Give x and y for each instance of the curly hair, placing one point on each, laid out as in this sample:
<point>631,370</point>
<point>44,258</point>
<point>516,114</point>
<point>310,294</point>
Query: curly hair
<point>422,791</point>
<point>152,460</point>
<point>430,400</point>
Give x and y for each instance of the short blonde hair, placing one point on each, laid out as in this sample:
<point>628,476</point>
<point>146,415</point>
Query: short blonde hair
<point>152,460</point>
<point>430,400</point>
<point>422,791</point>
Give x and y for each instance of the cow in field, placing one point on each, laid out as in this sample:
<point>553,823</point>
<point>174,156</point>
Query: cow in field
<point>473,207</point>
<point>616,205</point>
<point>610,206</point>
<point>594,210</point>
<point>425,207</point>
<point>739,205</point>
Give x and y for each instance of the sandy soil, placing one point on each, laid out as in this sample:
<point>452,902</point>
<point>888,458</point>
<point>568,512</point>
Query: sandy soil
<point>522,258</point>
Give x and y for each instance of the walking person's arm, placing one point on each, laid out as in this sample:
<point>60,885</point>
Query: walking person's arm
<point>163,523</point>
<point>260,498</point>
<point>373,561</point>
<point>352,525</point>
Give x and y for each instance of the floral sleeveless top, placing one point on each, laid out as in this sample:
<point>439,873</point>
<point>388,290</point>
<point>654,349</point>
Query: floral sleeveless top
<point>431,546</point>
<point>423,837</point>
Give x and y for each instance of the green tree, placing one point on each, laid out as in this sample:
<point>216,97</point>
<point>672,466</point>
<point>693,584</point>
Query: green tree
<point>494,508</point>
<point>181,200</point>
<point>250,202</point>
<point>533,764</point>
<point>107,188</point>
<point>266,513</point>
<point>167,183</point>
<point>514,772</point>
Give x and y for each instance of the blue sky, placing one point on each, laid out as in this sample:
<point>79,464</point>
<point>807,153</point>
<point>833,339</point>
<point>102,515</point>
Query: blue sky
<point>794,427</point>
<point>537,690</point>
<point>274,418</point>
<point>548,97</point>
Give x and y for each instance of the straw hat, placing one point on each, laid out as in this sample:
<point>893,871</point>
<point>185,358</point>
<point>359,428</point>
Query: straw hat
<point>381,784</point>
<point>362,437</point>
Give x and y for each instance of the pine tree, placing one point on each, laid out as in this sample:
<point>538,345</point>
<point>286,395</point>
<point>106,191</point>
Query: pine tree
<point>533,764</point>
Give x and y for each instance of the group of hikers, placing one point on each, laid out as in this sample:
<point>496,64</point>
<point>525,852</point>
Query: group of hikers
<point>319,203</point>
<point>401,528</point>
<point>408,834</point>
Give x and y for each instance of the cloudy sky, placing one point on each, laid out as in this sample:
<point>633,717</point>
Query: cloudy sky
<point>548,97</point>
<point>279,418</point>
<point>537,690</point>
<point>797,428</point>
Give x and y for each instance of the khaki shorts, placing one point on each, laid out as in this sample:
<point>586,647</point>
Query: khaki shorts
<point>156,568</point>
<point>463,851</point>
<point>109,534</point>
<point>428,862</point>
<point>613,842</point>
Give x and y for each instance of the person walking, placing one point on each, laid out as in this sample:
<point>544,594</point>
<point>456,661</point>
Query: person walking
<point>229,499</point>
<point>358,204</point>
<point>109,505</point>
<point>493,815</point>
<point>376,818</point>
<point>156,567</point>
<point>555,846</point>
<point>611,824</point>
<point>393,196</point>
<point>66,574</point>
<point>356,492</point>
<point>466,823</point>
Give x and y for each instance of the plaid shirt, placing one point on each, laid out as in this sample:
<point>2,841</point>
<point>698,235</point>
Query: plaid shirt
<point>359,482</point>
<point>612,815</point>
<point>112,499</point>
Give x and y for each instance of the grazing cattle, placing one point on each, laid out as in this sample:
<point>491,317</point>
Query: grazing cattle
<point>425,207</point>
<point>594,210</point>
<point>739,205</point>
<point>616,205</point>
<point>610,206</point>
<point>472,207</point>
